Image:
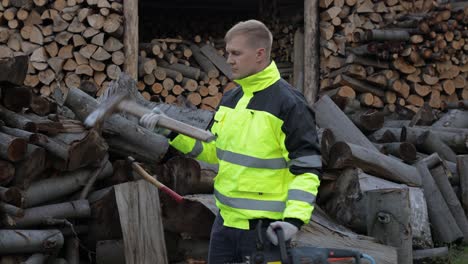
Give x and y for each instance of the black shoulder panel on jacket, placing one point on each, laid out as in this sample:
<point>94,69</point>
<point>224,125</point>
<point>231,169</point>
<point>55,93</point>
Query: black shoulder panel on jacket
<point>288,104</point>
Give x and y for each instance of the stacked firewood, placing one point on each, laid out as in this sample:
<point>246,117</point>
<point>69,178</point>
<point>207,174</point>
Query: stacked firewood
<point>68,41</point>
<point>388,53</point>
<point>399,177</point>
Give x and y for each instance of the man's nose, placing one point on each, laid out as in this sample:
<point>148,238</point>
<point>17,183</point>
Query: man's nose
<point>230,60</point>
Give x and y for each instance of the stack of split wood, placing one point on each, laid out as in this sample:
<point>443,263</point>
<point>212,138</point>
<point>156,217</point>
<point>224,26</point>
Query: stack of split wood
<point>398,177</point>
<point>173,70</point>
<point>394,53</point>
<point>68,41</point>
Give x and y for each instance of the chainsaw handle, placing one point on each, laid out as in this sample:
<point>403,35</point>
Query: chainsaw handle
<point>334,253</point>
<point>282,245</point>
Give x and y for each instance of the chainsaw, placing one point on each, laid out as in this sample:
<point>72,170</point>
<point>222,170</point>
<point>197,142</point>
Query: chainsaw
<point>267,253</point>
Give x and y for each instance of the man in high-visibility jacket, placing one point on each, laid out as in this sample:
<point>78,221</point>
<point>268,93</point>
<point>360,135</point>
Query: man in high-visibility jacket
<point>266,147</point>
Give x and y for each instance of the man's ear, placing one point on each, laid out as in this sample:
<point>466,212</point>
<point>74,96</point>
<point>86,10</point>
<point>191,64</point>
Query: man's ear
<point>260,55</point>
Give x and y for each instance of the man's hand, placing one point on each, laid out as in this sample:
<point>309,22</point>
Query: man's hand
<point>289,231</point>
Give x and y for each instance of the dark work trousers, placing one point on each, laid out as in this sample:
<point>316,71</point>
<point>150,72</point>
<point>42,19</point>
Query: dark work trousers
<point>230,245</point>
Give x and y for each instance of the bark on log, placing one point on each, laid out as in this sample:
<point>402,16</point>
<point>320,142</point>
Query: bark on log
<point>456,141</point>
<point>454,118</point>
<point>344,154</point>
<point>30,167</point>
<point>12,148</point>
<point>220,62</point>
<point>15,120</point>
<point>30,241</point>
<point>82,105</point>
<point>328,115</point>
<point>14,69</point>
<point>388,220</point>
<point>462,167</point>
<point>16,98</point>
<point>403,150</point>
<point>430,253</point>
<point>322,232</point>
<point>444,227</point>
<point>110,252</point>
<point>39,215</point>
<point>429,143</point>
<point>36,259</point>
<point>349,201</point>
<point>441,179</point>
<point>51,189</point>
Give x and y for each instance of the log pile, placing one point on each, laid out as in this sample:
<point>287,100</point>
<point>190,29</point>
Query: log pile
<point>68,42</point>
<point>394,53</point>
<point>398,177</point>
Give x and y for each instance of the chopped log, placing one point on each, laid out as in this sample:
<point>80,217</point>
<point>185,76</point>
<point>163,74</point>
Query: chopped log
<point>16,98</point>
<point>441,179</point>
<point>14,69</point>
<point>322,232</point>
<point>349,204</point>
<point>365,119</point>
<point>344,154</point>
<point>455,140</point>
<point>47,190</point>
<point>7,172</point>
<point>187,71</point>
<point>403,150</point>
<point>462,169</point>
<point>358,85</point>
<point>142,229</point>
<point>220,62</point>
<point>110,252</point>
<point>82,105</point>
<point>38,215</point>
<point>454,118</point>
<point>30,167</point>
<point>389,220</point>
<point>30,241</point>
<point>342,127</point>
<point>429,142</point>
<point>444,227</point>
<point>12,148</point>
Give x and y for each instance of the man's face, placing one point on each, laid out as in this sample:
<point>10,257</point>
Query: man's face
<point>242,57</point>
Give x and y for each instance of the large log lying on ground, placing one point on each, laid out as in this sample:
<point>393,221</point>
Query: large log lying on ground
<point>444,226</point>
<point>328,115</point>
<point>388,220</point>
<point>39,215</point>
<point>30,241</point>
<point>349,204</point>
<point>349,155</point>
<point>323,232</point>
<point>53,188</point>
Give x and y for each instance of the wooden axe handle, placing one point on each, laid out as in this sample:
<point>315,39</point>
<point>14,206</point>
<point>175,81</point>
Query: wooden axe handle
<point>167,122</point>
<point>155,182</point>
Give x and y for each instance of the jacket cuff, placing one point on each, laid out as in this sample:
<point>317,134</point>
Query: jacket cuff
<point>294,221</point>
<point>172,135</point>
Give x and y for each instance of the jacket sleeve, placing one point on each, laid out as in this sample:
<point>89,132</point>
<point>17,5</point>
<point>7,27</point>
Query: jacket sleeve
<point>305,162</point>
<point>204,151</point>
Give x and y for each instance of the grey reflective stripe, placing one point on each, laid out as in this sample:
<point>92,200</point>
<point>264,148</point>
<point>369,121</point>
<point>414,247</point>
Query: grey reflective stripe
<point>197,149</point>
<point>300,195</point>
<point>313,161</point>
<point>251,162</point>
<point>250,204</point>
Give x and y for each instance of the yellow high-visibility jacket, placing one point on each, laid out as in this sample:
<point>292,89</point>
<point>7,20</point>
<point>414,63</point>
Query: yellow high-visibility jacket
<point>267,150</point>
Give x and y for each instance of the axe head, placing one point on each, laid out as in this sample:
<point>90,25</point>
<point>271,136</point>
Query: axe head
<point>105,109</point>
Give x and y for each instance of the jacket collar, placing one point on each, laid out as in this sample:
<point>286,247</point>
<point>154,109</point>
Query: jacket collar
<point>259,80</point>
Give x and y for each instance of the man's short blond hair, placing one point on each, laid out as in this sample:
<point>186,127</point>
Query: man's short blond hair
<point>258,34</point>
